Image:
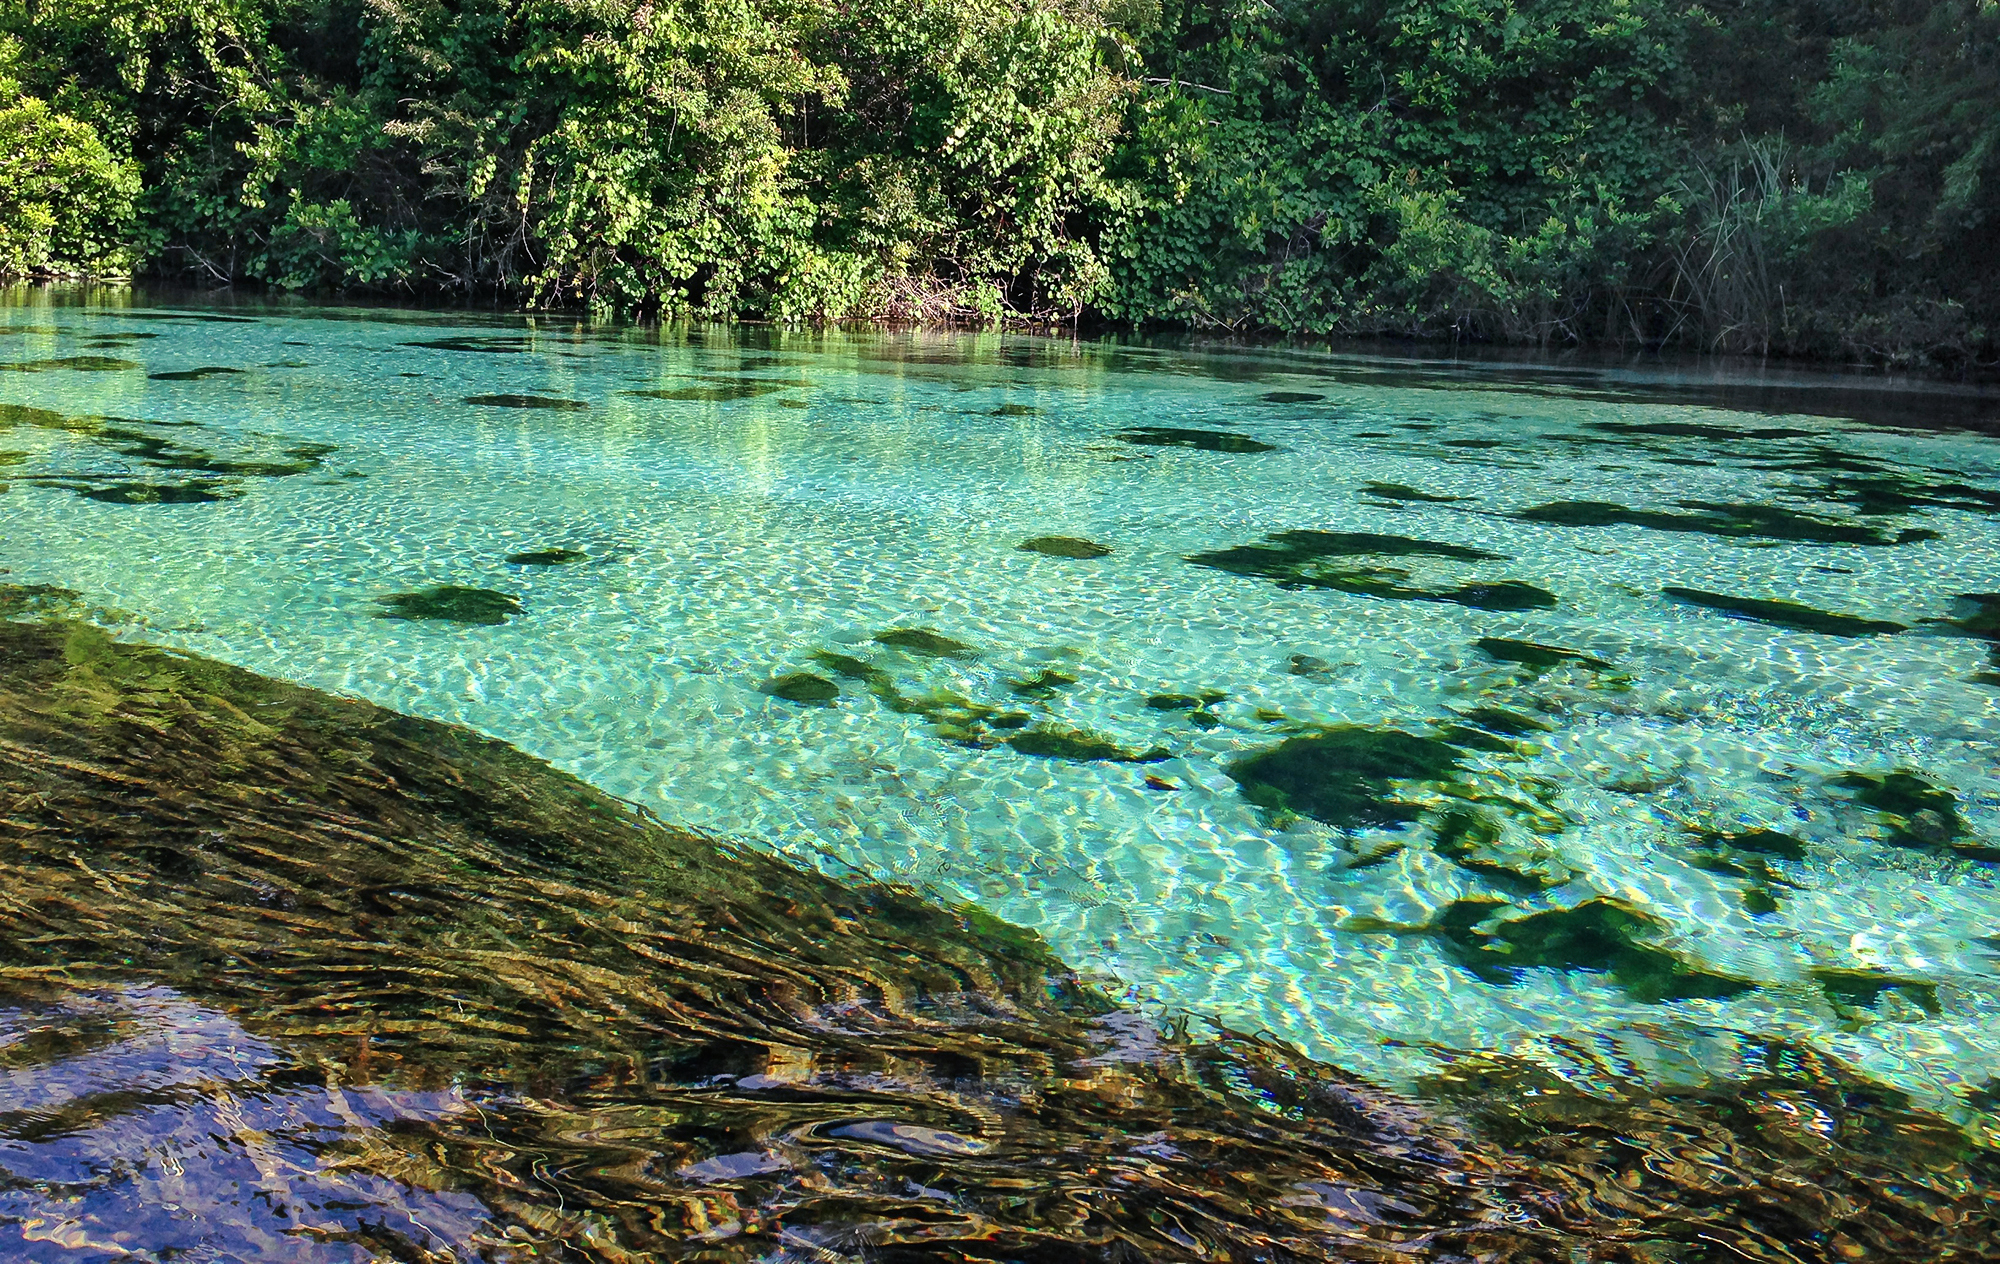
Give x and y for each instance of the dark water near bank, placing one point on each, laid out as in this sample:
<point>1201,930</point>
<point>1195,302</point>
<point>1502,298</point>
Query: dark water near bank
<point>1594,764</point>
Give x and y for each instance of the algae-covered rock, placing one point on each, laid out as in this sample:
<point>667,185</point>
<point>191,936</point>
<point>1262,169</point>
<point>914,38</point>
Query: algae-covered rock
<point>1600,936</point>
<point>1771,522</point>
<point>1917,814</point>
<point>1535,656</point>
<point>450,603</point>
<point>194,375</point>
<point>1064,546</point>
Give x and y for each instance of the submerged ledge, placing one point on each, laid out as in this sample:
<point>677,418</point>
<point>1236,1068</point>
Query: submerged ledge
<point>372,986</point>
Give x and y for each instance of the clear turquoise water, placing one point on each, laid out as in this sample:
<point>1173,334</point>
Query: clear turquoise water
<point>872,482</point>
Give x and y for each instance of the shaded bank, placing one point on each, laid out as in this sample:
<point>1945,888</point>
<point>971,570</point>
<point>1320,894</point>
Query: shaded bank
<point>345,984</point>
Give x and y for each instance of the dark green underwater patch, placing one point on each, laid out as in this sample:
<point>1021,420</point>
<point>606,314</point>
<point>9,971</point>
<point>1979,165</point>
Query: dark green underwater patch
<point>711,394</point>
<point>12,415</point>
<point>1917,814</point>
<point>1016,410</point>
<point>1863,989</point>
<point>1601,936</point>
<point>488,346</point>
<point>1295,559</point>
<point>1764,842</point>
<point>193,375</point>
<point>1770,522</point>
<point>1978,618</point>
<point>1785,614</point>
<point>1291,397</point>
<point>1397,491</point>
<point>525,401</point>
<point>450,603</point>
<point>804,688</point>
<point>1204,440</point>
<point>1044,684</point>
<point>1536,656</point>
<point>852,668</point>
<point>1342,775</point>
<point>1696,430</point>
<point>73,364</point>
<point>1048,741</point>
<point>1064,546</point>
<point>926,642</point>
<point>196,491</point>
<point>546,557</point>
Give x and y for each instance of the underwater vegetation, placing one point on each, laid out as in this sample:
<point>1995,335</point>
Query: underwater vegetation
<point>450,603</point>
<point>1203,440</point>
<point>1343,775</point>
<point>546,557</point>
<point>1397,491</point>
<point>1064,546</point>
<point>1050,741</point>
<point>196,491</point>
<point>1044,684</point>
<point>925,642</point>
<point>711,394</point>
<point>526,401</point>
<point>1291,397</point>
<point>1600,936</point>
<point>578,1032</point>
<point>1534,656</point>
<point>488,346</point>
<point>1016,410</point>
<point>73,364</point>
<point>1917,814</point>
<point>1979,618</point>
<point>1697,430</point>
<point>1299,559</point>
<point>1772,522</point>
<point>804,688</point>
<point>193,375</point>
<point>1786,614</point>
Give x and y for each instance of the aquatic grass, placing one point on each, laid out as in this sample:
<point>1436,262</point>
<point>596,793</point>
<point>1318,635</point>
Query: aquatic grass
<point>1535,656</point>
<point>1052,741</point>
<point>1599,936</point>
<point>546,557</point>
<point>1785,614</point>
<point>196,491</point>
<point>450,603</point>
<point>710,394</point>
<point>1398,491</point>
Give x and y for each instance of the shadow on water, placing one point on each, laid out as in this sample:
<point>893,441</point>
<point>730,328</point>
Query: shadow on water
<point>291,977</point>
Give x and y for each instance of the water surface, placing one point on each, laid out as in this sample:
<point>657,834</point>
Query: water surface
<point>1397,713</point>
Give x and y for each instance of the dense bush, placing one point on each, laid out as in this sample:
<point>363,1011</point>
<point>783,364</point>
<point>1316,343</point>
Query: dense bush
<point>1809,176</point>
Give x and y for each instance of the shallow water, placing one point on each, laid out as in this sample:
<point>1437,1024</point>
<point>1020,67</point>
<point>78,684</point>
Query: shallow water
<point>1697,831</point>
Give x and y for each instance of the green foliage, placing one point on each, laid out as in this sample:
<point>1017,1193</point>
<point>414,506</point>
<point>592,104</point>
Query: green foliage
<point>66,201</point>
<point>1803,176</point>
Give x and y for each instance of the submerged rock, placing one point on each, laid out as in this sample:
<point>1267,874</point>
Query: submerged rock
<point>1049,741</point>
<point>1916,814</point>
<point>194,375</point>
<point>1600,936</point>
<point>450,603</point>
<point>1535,656</point>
